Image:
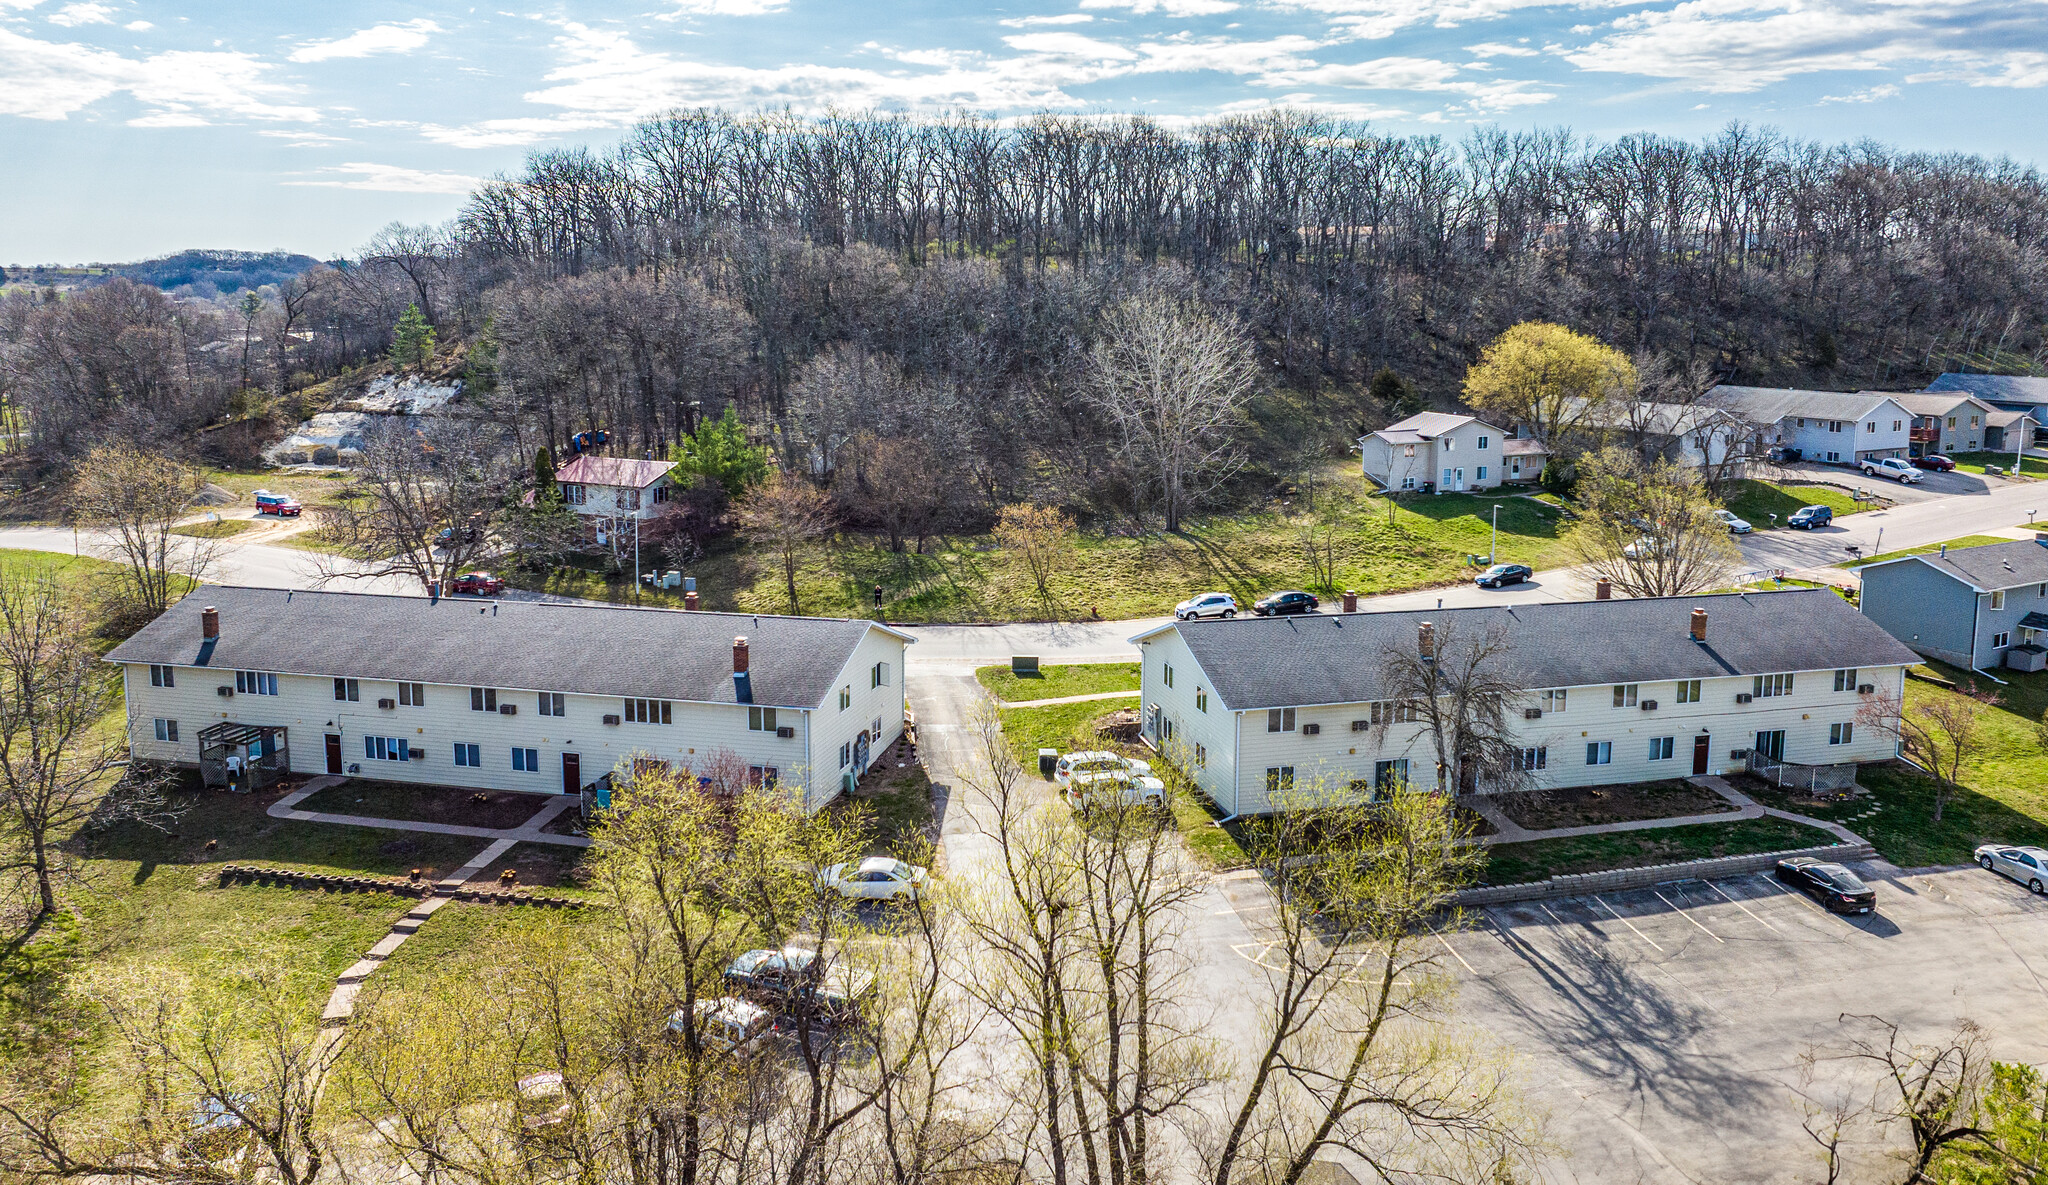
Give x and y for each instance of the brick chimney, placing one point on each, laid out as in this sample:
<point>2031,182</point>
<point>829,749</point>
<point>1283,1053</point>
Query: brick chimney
<point>742,680</point>
<point>1699,626</point>
<point>1425,636</point>
<point>209,622</point>
<point>689,600</point>
<point>739,655</point>
<point>1350,600</point>
<point>1603,589</point>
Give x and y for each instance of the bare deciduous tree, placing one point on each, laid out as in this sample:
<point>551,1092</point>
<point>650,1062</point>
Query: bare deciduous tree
<point>1040,537</point>
<point>1939,732</point>
<point>785,515</point>
<point>1460,687</point>
<point>1649,529</point>
<point>137,498</point>
<point>1172,380</point>
<point>425,502</point>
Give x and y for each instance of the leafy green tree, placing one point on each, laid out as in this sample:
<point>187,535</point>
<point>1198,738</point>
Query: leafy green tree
<point>544,476</point>
<point>2012,1145</point>
<point>1392,392</point>
<point>719,450</point>
<point>1548,377</point>
<point>412,342</point>
<point>480,370</point>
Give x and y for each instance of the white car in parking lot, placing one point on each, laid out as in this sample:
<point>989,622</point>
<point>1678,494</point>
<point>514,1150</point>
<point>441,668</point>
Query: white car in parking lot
<point>1213,604</point>
<point>1099,761</point>
<point>877,878</point>
<point>1089,790</point>
<point>1735,525</point>
<point>2027,865</point>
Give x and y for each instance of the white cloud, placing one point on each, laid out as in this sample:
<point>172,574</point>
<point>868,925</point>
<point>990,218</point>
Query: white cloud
<point>1426,75</point>
<point>1869,94</point>
<point>1064,18</point>
<point>386,38</point>
<point>1494,49</point>
<point>1070,45</point>
<point>51,80</point>
<point>388,179</point>
<point>303,139</point>
<point>138,26</point>
<point>1375,19</point>
<point>73,15</point>
<point>1173,8</point>
<point>724,8</point>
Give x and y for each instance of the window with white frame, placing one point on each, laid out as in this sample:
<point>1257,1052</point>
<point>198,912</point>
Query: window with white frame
<point>346,689</point>
<point>1280,720</point>
<point>879,675</point>
<point>167,730</point>
<point>1599,752</point>
<point>1845,679</point>
<point>483,699</point>
<point>573,493</point>
<point>1767,686</point>
<point>1554,700</point>
<point>1841,734</point>
<point>1997,598</point>
<point>1688,692</point>
<point>876,730</point>
<point>387,748</point>
<point>162,676</point>
<point>760,719</point>
<point>525,761</point>
<point>846,755</point>
<point>1625,695</point>
<point>649,711</point>
<point>1482,473</point>
<point>1450,445</point>
<point>255,683</point>
<point>1279,778</point>
<point>1167,671</point>
<point>2001,639</point>
<point>1392,712</point>
<point>1201,699</point>
<point>1533,758</point>
<point>1661,748</point>
<point>467,755</point>
<point>553,703</point>
<point>1201,756</point>
<point>412,695</point>
<point>845,698</point>
<point>629,499</point>
<point>1388,776</point>
<point>1482,442</point>
<point>762,775</point>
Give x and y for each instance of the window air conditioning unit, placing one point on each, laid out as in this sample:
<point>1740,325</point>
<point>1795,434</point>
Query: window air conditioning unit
<point>1738,754</point>
<point>1649,705</point>
<point>508,709</point>
<point>1361,725</point>
<point>1743,697</point>
<point>224,691</point>
<point>1866,688</point>
<point>611,719</point>
<point>785,732</point>
<point>1532,713</point>
<point>1309,730</point>
<point>387,703</point>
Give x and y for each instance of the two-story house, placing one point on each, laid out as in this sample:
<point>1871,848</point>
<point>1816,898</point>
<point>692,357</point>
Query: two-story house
<point>1946,422</point>
<point>513,695</point>
<point>2025,394</point>
<point>1443,453</point>
<point>1969,606</point>
<point>1617,691</point>
<point>612,491</point>
<point>1828,426</point>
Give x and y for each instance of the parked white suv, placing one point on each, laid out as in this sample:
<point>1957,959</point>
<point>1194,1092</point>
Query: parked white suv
<point>1213,604</point>
<point>1892,467</point>
<point>1112,789</point>
<point>1098,761</point>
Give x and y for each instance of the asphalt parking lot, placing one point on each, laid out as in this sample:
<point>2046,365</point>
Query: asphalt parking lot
<point>1662,1027</point>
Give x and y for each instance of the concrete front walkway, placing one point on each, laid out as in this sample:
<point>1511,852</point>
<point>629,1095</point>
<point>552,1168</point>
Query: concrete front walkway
<point>527,832</point>
<point>1067,699</point>
<point>1508,831</point>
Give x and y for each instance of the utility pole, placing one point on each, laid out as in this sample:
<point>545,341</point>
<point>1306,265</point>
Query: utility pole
<point>636,557</point>
<point>1493,548</point>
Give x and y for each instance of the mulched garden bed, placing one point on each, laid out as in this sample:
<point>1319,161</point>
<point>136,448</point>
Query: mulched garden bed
<point>1584,806</point>
<point>427,804</point>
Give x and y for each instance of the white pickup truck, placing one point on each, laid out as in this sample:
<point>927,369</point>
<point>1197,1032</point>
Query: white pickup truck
<point>1895,468</point>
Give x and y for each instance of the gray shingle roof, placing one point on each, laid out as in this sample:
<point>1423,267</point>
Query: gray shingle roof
<point>1994,565</point>
<point>1768,405</point>
<point>614,471</point>
<point>1257,663</point>
<point>1429,423</point>
<point>1998,388</point>
<point>526,645</point>
<point>1931,403</point>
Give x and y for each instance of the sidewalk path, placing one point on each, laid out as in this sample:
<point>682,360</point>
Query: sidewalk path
<point>527,832</point>
<point>1068,699</point>
<point>1509,831</point>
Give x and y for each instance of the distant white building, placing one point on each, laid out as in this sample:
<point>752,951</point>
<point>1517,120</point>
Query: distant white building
<point>1445,453</point>
<point>514,695</point>
<point>607,490</point>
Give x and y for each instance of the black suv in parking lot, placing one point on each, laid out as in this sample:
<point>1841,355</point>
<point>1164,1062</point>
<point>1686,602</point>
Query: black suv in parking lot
<point>1807,518</point>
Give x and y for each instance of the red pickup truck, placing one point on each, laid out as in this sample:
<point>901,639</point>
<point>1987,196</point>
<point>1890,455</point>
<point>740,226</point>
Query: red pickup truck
<point>477,584</point>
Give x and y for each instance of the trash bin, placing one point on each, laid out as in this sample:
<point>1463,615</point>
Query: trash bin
<point>1048,759</point>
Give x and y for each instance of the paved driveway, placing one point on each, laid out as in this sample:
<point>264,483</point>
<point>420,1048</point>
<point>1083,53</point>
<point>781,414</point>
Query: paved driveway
<point>1663,1026</point>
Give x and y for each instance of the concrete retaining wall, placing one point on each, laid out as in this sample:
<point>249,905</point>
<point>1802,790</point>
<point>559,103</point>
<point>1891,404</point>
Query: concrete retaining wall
<point>1655,874</point>
<point>294,879</point>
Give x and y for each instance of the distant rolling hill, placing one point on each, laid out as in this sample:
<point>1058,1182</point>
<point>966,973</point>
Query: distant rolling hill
<point>205,273</point>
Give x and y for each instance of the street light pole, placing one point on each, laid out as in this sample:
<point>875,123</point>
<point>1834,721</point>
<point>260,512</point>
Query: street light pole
<point>1493,548</point>
<point>636,555</point>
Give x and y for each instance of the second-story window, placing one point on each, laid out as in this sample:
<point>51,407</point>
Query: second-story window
<point>573,493</point>
<point>1688,691</point>
<point>1767,686</point>
<point>1169,674</point>
<point>1554,700</point>
<point>412,695</point>
<point>1998,598</point>
<point>255,683</point>
<point>760,719</point>
<point>1625,695</point>
<point>553,703</point>
<point>161,676</point>
<point>648,711</point>
<point>346,689</point>
<point>483,699</point>
<point>1845,680</point>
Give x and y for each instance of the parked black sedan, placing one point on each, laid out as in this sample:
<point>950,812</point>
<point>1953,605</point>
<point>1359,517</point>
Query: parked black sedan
<point>1503,574</point>
<point>1834,886</point>
<point>1282,603</point>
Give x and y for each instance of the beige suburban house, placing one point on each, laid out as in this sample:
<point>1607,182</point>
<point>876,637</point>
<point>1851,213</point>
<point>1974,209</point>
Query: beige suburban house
<point>1438,452</point>
<point>1950,422</point>
<point>1618,691</point>
<point>512,695</point>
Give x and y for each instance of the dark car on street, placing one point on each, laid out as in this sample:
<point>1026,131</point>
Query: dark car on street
<point>1936,462</point>
<point>1281,603</point>
<point>477,584</point>
<point>1834,886</point>
<point>793,979</point>
<point>1503,574</point>
<point>1806,518</point>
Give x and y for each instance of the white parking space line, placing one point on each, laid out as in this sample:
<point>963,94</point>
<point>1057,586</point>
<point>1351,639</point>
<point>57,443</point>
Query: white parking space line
<point>1744,908</point>
<point>1688,917</point>
<point>1631,925</point>
<point>1454,950</point>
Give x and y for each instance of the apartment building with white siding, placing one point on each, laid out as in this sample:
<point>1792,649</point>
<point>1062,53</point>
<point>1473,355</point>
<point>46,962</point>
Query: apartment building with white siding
<point>1618,691</point>
<point>514,695</point>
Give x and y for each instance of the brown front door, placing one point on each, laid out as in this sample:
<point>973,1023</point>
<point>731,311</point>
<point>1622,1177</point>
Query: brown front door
<point>1699,753</point>
<point>572,774</point>
<point>333,754</point>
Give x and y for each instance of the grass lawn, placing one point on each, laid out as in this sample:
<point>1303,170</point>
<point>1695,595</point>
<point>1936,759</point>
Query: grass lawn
<point>1952,544</point>
<point>1975,463</point>
<point>1057,726</point>
<point>1756,501</point>
<point>311,489</point>
<point>1582,806</point>
<point>1055,682</point>
<point>899,807</point>
<point>1120,576</point>
<point>218,529</point>
<point>1517,863</point>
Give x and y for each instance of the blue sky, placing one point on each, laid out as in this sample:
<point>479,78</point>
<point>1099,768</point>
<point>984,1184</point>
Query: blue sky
<point>130,128</point>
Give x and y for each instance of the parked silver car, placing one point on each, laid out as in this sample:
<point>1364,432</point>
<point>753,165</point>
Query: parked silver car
<point>1213,604</point>
<point>2027,865</point>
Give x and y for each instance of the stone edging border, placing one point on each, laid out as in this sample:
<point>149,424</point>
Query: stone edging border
<point>1655,874</point>
<point>292,878</point>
